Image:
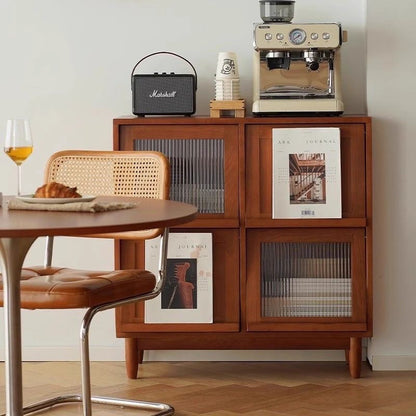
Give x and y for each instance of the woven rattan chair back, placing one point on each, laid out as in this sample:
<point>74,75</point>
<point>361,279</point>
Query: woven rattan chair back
<point>108,173</point>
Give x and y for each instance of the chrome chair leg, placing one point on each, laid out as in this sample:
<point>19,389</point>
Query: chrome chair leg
<point>160,408</point>
<point>85,397</point>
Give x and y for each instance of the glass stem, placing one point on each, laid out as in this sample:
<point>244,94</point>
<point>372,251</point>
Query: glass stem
<point>19,180</point>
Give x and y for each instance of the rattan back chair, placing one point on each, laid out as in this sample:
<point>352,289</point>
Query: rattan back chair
<point>133,174</point>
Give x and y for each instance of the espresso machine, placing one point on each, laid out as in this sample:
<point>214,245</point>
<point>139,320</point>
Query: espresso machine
<point>296,66</point>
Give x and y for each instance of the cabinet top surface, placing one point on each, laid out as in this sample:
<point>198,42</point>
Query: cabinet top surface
<point>131,119</point>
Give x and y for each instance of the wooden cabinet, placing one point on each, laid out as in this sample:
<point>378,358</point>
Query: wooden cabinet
<point>261,266</point>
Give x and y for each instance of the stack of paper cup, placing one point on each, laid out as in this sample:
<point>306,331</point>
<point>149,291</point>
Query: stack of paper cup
<point>227,81</point>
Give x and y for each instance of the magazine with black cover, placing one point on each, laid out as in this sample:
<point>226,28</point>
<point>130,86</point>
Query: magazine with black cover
<point>306,173</point>
<point>187,295</point>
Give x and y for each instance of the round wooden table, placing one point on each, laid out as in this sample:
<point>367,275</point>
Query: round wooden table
<point>20,228</point>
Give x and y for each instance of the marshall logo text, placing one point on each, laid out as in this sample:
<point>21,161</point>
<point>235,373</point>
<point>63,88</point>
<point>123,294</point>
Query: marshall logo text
<point>158,94</point>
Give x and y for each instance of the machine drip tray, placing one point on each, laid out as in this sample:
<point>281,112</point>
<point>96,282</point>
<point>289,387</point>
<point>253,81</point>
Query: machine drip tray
<point>299,114</point>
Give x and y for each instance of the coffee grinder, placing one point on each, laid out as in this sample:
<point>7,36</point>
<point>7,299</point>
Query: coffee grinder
<point>296,66</point>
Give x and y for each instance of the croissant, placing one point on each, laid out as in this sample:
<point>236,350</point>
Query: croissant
<point>56,190</point>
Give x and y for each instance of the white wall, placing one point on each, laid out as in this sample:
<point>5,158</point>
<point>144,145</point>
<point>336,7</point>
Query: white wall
<point>391,91</point>
<point>66,66</point>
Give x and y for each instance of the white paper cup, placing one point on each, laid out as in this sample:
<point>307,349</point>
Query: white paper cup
<point>227,66</point>
<point>227,89</point>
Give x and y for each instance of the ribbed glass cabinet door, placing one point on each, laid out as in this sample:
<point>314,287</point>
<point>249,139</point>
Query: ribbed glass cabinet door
<point>197,170</point>
<point>306,278</point>
<point>302,279</point>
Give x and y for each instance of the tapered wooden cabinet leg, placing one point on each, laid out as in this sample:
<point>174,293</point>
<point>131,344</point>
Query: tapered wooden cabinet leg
<point>132,357</point>
<point>355,357</point>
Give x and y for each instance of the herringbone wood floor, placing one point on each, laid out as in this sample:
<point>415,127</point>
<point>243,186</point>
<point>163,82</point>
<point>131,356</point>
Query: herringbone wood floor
<point>232,388</point>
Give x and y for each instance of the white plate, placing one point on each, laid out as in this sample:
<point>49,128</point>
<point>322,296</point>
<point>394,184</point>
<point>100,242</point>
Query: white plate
<point>32,200</point>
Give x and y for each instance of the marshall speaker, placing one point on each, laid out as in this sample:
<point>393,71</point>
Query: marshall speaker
<point>164,93</point>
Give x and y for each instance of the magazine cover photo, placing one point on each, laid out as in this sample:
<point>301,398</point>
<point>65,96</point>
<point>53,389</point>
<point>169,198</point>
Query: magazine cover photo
<point>307,178</point>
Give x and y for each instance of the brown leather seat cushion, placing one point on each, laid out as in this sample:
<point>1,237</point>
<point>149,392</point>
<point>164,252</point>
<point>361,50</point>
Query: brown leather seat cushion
<point>61,288</point>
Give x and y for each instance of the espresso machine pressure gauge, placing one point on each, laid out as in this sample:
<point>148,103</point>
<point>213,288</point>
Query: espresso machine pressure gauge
<point>297,36</point>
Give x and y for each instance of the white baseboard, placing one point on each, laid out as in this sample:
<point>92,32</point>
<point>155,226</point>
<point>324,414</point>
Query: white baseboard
<point>378,362</point>
<point>117,354</point>
<point>393,362</point>
<point>72,354</point>
<point>68,354</point>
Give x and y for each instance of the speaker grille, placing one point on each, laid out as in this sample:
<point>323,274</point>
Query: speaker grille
<point>163,94</point>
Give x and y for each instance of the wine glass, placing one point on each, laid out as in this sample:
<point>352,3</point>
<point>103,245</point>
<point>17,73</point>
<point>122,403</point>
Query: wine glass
<point>18,145</point>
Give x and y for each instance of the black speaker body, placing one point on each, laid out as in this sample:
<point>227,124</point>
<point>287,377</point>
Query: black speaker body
<point>163,94</point>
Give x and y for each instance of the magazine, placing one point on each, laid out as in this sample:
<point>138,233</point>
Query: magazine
<point>306,173</point>
<point>187,295</point>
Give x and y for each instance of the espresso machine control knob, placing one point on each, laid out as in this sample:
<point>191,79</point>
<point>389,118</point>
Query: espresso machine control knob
<point>313,66</point>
